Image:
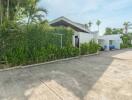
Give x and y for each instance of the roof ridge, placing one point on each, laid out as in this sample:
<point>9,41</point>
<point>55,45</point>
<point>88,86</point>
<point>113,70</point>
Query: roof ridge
<point>81,26</point>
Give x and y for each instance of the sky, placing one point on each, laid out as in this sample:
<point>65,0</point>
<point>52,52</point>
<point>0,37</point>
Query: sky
<point>112,13</point>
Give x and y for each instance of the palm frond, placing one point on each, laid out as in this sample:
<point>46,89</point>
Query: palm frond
<point>41,10</point>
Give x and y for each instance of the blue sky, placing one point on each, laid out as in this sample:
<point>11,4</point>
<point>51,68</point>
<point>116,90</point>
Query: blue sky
<point>112,13</point>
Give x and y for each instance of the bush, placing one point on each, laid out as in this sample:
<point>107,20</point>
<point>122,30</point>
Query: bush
<point>93,47</point>
<point>89,48</point>
<point>84,48</point>
<point>126,39</point>
<point>123,46</point>
<point>38,43</point>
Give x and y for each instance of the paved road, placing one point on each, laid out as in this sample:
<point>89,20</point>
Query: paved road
<point>107,76</point>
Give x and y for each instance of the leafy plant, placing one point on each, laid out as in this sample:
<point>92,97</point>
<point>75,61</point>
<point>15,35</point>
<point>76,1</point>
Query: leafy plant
<point>89,48</point>
<point>84,48</point>
<point>93,47</point>
<point>126,39</point>
<point>39,43</point>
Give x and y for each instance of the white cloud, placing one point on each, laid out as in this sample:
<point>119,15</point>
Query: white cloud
<point>111,12</point>
<point>69,7</point>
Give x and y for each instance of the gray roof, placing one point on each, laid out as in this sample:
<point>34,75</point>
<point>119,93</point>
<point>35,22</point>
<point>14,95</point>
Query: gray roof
<point>81,27</point>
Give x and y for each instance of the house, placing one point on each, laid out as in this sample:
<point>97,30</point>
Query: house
<point>82,34</point>
<point>109,42</point>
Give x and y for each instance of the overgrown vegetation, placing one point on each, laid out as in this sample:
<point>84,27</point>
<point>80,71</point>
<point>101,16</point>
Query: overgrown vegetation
<point>112,31</point>
<point>125,35</point>
<point>26,37</point>
<point>89,48</point>
<point>126,40</point>
<point>37,44</point>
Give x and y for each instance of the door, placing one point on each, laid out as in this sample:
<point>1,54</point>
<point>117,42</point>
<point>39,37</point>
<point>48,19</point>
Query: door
<point>76,41</point>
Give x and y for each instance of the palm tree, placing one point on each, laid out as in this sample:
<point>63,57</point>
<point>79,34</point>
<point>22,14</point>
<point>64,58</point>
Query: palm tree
<point>8,7</point>
<point>90,24</point>
<point>34,13</point>
<point>98,24</point>
<point>126,27</point>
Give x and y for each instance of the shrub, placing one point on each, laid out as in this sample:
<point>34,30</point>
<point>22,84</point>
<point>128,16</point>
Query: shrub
<point>89,48</point>
<point>123,45</point>
<point>93,47</point>
<point>126,39</point>
<point>38,43</point>
<point>84,48</point>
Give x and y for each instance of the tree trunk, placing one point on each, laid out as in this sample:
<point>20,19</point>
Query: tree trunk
<point>1,13</point>
<point>98,28</point>
<point>126,30</point>
<point>8,5</point>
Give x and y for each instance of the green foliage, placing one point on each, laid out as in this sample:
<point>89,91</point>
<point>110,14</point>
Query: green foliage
<point>126,39</point>
<point>19,9</point>
<point>39,43</point>
<point>110,31</point>
<point>84,48</point>
<point>89,48</point>
<point>98,22</point>
<point>12,43</point>
<point>93,47</point>
<point>124,45</point>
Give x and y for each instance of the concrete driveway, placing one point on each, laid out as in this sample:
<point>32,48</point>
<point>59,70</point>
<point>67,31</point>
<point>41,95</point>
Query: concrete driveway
<point>107,76</point>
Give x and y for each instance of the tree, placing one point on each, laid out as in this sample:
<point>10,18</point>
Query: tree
<point>117,31</point>
<point>126,26</point>
<point>33,13</point>
<point>108,31</point>
<point>8,8</point>
<point>90,24</point>
<point>126,39</point>
<point>98,24</point>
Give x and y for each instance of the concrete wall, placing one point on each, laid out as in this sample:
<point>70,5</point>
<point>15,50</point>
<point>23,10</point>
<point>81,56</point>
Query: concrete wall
<point>83,37</point>
<point>105,41</point>
<point>110,37</point>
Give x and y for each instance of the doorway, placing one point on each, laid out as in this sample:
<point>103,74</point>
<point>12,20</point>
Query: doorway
<point>76,41</point>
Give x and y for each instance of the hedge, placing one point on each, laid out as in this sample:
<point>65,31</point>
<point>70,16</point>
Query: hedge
<point>89,48</point>
<point>38,43</point>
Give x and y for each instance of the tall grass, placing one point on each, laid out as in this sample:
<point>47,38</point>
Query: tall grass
<point>39,43</point>
<point>20,45</point>
<point>89,48</point>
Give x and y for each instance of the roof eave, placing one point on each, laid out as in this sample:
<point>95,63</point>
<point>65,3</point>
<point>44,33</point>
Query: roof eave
<point>64,19</point>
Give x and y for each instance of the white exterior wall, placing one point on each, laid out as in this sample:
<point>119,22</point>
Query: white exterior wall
<point>106,39</point>
<point>85,37</point>
<point>111,37</point>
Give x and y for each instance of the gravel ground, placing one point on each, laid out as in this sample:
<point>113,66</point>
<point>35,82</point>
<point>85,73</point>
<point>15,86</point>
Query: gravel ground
<point>107,76</point>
